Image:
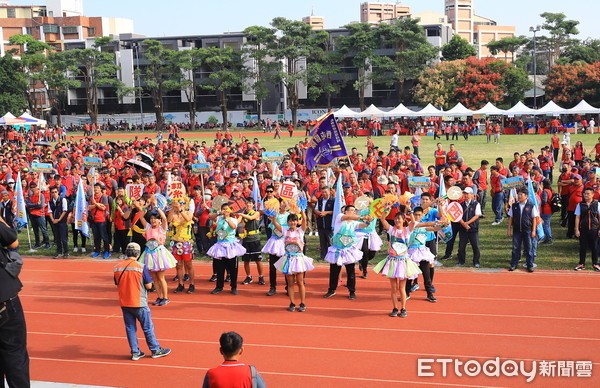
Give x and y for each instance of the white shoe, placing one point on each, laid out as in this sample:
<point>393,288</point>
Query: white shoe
<point>495,223</point>
<point>317,234</point>
<point>75,249</point>
<point>311,233</point>
<point>83,250</point>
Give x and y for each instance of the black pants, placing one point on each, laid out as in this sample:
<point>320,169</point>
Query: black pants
<point>231,265</point>
<point>334,275</point>
<point>368,255</point>
<point>427,272</point>
<point>464,238</point>
<point>77,233</point>
<point>272,271</point>
<point>324,241</point>
<point>588,239</point>
<point>121,240</point>
<point>570,224</point>
<point>564,201</point>
<point>14,360</point>
<point>100,236</point>
<point>61,238</point>
<point>416,151</point>
<point>204,240</point>
<point>450,244</point>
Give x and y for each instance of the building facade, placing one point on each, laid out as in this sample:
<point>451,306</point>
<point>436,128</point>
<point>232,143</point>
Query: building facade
<point>375,12</point>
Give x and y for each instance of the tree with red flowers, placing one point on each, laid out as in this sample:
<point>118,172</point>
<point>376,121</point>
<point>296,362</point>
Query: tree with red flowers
<point>481,82</point>
<point>569,84</point>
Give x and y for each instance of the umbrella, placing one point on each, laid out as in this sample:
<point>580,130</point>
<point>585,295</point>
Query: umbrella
<point>42,143</point>
<point>139,164</point>
<point>146,158</point>
<point>114,144</point>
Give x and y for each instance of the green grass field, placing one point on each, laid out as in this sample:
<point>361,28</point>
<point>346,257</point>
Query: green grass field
<point>494,243</point>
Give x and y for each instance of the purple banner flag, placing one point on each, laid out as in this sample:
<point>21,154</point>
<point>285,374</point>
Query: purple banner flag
<point>326,144</point>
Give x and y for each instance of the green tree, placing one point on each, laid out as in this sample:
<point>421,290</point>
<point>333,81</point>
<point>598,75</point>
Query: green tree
<point>324,76</point>
<point>291,50</point>
<point>587,51</point>
<point>160,76</point>
<point>412,55</point>
<point>56,81</point>
<point>96,67</point>
<point>32,54</point>
<point>515,82</point>
<point>259,67</point>
<point>507,45</point>
<point>360,45</point>
<point>226,73</point>
<point>13,84</point>
<point>189,61</point>
<point>561,31</point>
<point>458,48</point>
<point>437,84</point>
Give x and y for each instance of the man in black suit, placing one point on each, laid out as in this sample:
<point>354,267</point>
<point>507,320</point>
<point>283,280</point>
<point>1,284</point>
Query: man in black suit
<point>6,209</point>
<point>324,213</point>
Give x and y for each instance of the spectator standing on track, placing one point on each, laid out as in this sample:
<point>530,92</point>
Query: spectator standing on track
<point>587,224</point>
<point>522,226</point>
<point>232,373</point>
<point>133,281</point>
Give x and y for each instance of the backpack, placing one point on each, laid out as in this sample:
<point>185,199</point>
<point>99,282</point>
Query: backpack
<point>554,202</point>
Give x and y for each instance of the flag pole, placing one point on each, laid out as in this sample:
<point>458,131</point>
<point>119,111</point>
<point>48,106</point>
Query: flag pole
<point>31,250</point>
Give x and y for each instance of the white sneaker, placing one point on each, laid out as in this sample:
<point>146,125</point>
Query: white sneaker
<point>495,223</point>
<point>75,249</point>
<point>83,250</point>
<point>317,234</point>
<point>311,233</point>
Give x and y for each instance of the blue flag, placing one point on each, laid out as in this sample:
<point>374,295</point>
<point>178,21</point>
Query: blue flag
<point>81,211</point>
<point>339,200</point>
<point>21,216</point>
<point>256,194</point>
<point>326,144</point>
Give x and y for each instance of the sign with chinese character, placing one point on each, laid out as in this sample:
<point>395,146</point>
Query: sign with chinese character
<point>176,190</point>
<point>88,161</point>
<point>419,181</point>
<point>379,209</point>
<point>288,190</point>
<point>454,211</point>
<point>515,182</point>
<point>272,157</point>
<point>199,168</point>
<point>134,191</point>
<point>45,168</point>
<point>362,202</point>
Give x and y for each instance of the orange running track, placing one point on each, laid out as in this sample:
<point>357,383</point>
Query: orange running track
<point>76,332</point>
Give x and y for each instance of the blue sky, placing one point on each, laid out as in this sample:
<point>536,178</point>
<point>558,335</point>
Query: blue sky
<point>192,17</point>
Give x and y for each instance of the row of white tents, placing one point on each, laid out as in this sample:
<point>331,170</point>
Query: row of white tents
<point>24,119</point>
<point>460,110</point>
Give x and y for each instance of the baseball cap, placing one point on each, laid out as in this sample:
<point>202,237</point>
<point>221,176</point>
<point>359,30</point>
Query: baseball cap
<point>347,184</point>
<point>468,190</point>
<point>576,176</point>
<point>133,246</point>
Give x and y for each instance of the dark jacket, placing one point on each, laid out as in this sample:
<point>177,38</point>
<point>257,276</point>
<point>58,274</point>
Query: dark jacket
<point>588,216</point>
<point>522,222</point>
<point>325,222</point>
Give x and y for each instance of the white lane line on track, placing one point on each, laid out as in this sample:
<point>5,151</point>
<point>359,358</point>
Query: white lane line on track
<point>363,294</point>
<point>365,379</point>
<point>312,326</point>
<point>354,350</point>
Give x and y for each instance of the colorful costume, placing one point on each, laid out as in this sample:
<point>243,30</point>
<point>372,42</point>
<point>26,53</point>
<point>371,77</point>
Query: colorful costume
<point>294,261</point>
<point>370,233</point>
<point>397,264</point>
<point>227,246</point>
<point>417,250</point>
<point>345,248</point>
<point>181,240</point>
<point>275,245</point>
<point>156,257</point>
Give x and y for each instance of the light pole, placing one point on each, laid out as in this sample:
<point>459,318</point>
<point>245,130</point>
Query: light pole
<point>534,30</point>
<point>136,46</point>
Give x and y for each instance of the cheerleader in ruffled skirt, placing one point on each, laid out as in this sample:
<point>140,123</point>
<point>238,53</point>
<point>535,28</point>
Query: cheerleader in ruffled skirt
<point>226,250</point>
<point>293,264</point>
<point>370,244</point>
<point>397,266</point>
<point>156,257</point>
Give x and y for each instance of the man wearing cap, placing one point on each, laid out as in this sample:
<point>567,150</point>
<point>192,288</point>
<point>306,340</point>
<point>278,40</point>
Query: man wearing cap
<point>575,197</point>
<point>468,228</point>
<point>133,281</point>
<point>36,203</point>
<point>58,218</point>
<point>522,226</point>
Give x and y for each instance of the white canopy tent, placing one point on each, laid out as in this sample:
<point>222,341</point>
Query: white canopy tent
<point>401,111</point>
<point>430,111</point>
<point>458,111</point>
<point>26,115</point>
<point>520,109</point>
<point>345,112</point>
<point>489,110</point>
<point>583,108</point>
<point>551,109</point>
<point>371,111</point>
